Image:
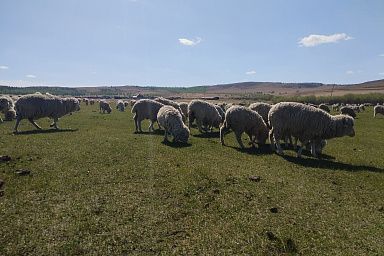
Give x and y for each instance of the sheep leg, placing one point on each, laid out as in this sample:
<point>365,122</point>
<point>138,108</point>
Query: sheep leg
<point>54,124</point>
<point>223,131</point>
<point>271,140</point>
<point>313,148</point>
<point>135,119</point>
<point>17,124</point>
<point>199,126</point>
<point>301,149</point>
<point>295,144</point>
<point>34,123</point>
<point>165,136</point>
<point>238,138</point>
<point>150,128</point>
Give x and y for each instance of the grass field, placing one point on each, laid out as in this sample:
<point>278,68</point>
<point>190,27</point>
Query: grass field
<point>97,188</point>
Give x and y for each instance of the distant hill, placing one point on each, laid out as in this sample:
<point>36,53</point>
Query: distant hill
<point>223,90</point>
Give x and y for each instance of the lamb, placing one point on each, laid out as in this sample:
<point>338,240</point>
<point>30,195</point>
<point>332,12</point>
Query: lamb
<point>170,103</point>
<point>379,109</point>
<point>145,109</point>
<point>6,103</point>
<point>348,111</point>
<point>242,119</point>
<point>262,109</point>
<point>306,123</point>
<point>325,108</point>
<point>104,106</point>
<point>171,120</point>
<point>184,108</point>
<point>120,106</point>
<point>35,106</point>
<point>205,114</point>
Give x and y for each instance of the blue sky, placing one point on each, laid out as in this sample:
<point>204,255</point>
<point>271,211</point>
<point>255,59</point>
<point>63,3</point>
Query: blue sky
<point>185,43</point>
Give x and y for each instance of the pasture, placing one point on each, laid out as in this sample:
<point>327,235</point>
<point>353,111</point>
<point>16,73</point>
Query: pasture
<point>97,188</point>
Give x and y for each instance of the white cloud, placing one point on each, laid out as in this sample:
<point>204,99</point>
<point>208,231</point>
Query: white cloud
<point>3,67</point>
<point>350,72</point>
<point>381,55</point>
<point>189,42</point>
<point>30,76</point>
<point>251,72</point>
<point>313,40</point>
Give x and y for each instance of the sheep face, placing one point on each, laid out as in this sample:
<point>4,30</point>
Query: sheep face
<point>182,136</point>
<point>345,126</point>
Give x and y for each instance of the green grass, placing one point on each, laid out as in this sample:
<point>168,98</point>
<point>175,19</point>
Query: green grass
<point>101,189</point>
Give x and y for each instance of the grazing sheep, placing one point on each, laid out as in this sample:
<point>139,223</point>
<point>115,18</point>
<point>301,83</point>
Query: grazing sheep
<point>91,102</point>
<point>6,103</point>
<point>145,109</point>
<point>171,120</point>
<point>171,103</point>
<point>120,106</point>
<point>86,101</point>
<point>205,113</point>
<point>379,109</point>
<point>262,109</point>
<point>126,103</point>
<point>361,107</point>
<point>132,102</point>
<point>35,106</point>
<point>10,114</point>
<point>221,111</point>
<point>348,111</point>
<point>184,108</point>
<point>307,124</point>
<point>242,119</point>
<point>104,106</point>
<point>325,108</point>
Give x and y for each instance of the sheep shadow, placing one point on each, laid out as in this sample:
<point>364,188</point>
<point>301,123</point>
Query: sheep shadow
<point>45,131</point>
<point>155,132</point>
<point>176,144</point>
<point>326,164</point>
<point>263,150</point>
<point>207,135</point>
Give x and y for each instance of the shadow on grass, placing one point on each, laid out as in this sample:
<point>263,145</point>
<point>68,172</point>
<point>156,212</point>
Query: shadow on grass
<point>155,132</point>
<point>176,144</point>
<point>45,131</point>
<point>324,163</point>
<point>207,135</point>
<point>263,150</point>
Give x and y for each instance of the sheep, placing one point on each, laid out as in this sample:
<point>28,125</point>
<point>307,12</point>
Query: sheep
<point>35,106</point>
<point>184,108</point>
<point>170,103</point>
<point>145,109</point>
<point>6,103</point>
<point>104,106</point>
<point>10,114</point>
<point>86,101</point>
<point>325,108</point>
<point>132,102</point>
<point>120,106</point>
<point>126,103</point>
<point>361,107</point>
<point>221,111</point>
<point>242,119</point>
<point>379,109</point>
<point>91,102</point>
<point>205,114</point>
<point>336,107</point>
<point>171,120</point>
<point>348,111</point>
<point>306,123</point>
<point>262,109</point>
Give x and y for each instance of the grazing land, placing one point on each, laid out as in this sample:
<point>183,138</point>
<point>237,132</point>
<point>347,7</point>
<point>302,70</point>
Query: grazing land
<point>98,188</point>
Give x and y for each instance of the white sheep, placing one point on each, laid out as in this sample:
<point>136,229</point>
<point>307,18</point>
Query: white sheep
<point>205,113</point>
<point>145,109</point>
<point>120,106</point>
<point>242,119</point>
<point>184,108</point>
<point>35,106</point>
<point>307,124</point>
<point>379,109</point>
<point>104,106</point>
<point>6,103</point>
<point>262,109</point>
<point>347,110</point>
<point>171,120</point>
<point>91,102</point>
<point>170,103</point>
<point>221,111</point>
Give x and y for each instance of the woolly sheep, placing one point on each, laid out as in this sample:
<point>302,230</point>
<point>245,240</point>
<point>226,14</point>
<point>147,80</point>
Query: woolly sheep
<point>262,109</point>
<point>348,111</point>
<point>184,108</point>
<point>171,120</point>
<point>221,111</point>
<point>145,109</point>
<point>126,103</point>
<point>379,109</point>
<point>10,114</point>
<point>6,103</point>
<point>120,106</point>
<point>104,106</point>
<point>35,106</point>
<point>170,103</point>
<point>306,123</point>
<point>132,102</point>
<point>91,102</point>
<point>205,113</point>
<point>242,119</point>
<point>325,108</point>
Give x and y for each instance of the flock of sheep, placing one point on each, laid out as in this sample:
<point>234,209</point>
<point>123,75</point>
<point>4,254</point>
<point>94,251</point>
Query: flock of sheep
<point>308,124</point>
